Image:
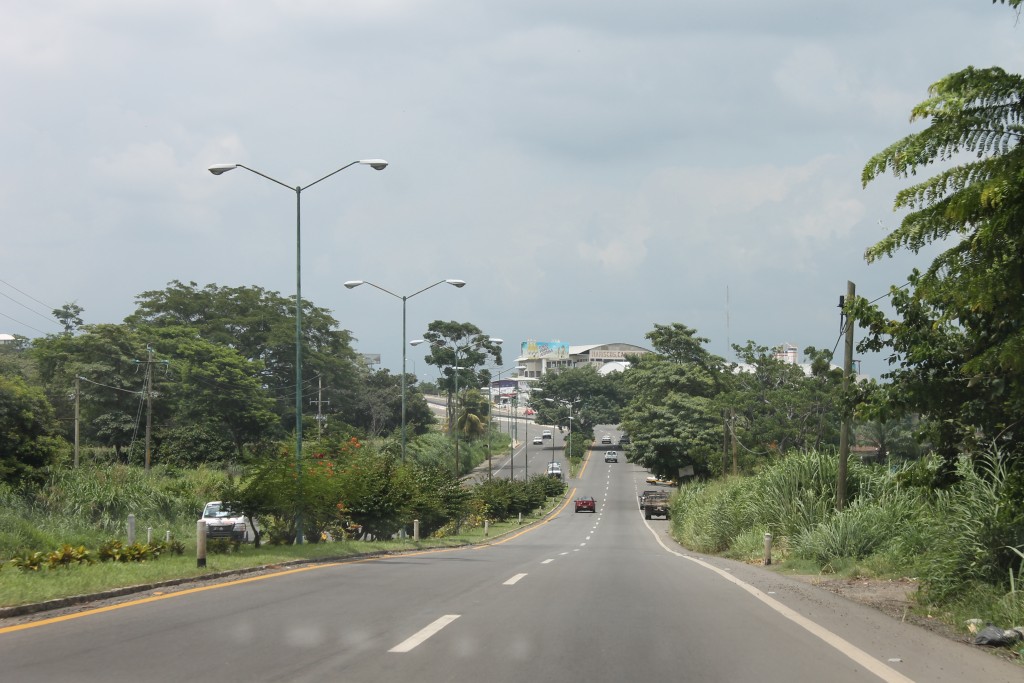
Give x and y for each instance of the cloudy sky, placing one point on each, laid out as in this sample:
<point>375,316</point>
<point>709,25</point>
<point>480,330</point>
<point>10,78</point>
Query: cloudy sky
<point>590,168</point>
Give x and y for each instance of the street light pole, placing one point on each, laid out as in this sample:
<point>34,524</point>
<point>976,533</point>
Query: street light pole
<point>489,402</point>
<point>355,283</point>
<point>456,350</point>
<point>569,405</point>
<point>218,169</point>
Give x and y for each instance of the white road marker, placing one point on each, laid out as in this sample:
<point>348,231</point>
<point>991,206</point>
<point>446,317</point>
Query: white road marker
<point>513,580</point>
<point>549,561</point>
<point>424,633</point>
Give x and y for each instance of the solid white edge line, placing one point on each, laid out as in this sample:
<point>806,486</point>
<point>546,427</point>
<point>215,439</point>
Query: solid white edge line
<point>424,633</point>
<point>886,673</point>
<point>513,580</point>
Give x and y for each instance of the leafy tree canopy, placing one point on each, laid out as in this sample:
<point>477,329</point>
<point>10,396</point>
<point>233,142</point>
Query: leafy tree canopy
<point>957,343</point>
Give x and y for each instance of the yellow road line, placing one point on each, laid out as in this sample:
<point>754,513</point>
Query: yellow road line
<point>285,572</point>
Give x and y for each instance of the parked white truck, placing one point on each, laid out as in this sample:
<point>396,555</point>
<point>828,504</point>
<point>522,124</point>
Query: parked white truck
<point>222,524</point>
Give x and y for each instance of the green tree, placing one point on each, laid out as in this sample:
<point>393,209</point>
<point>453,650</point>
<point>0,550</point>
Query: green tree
<point>596,399</point>
<point>111,387</point>
<point>463,345</point>
<point>260,325</point>
<point>29,440</point>
<point>777,407</point>
<point>69,316</point>
<point>672,417</point>
<point>957,343</point>
<point>215,386</point>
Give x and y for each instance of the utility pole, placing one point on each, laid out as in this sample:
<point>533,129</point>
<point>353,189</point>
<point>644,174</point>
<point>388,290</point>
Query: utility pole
<point>319,403</point>
<point>732,431</point>
<point>725,440</point>
<point>844,433</point>
<point>148,390</point>
<point>78,414</point>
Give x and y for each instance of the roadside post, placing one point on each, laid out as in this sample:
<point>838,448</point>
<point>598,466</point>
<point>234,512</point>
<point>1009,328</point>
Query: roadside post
<point>131,529</point>
<point>767,548</point>
<point>201,544</point>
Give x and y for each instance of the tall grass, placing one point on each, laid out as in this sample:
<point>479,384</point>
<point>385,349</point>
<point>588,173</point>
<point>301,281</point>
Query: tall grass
<point>965,543</point>
<point>92,503</point>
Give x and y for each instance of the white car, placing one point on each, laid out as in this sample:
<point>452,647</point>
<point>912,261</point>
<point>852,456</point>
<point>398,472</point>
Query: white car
<point>611,456</point>
<point>546,434</point>
<point>538,441</point>
<point>606,440</point>
<point>221,524</point>
<point>555,470</point>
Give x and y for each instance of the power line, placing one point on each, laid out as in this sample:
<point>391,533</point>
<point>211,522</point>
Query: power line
<point>22,324</point>
<point>28,295</point>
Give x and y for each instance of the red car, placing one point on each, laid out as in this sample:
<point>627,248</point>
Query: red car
<point>586,504</point>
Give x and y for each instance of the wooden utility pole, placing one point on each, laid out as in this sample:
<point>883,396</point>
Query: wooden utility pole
<point>844,433</point>
<point>78,414</point>
<point>148,391</point>
<point>149,401</point>
<point>732,431</point>
<point>319,404</point>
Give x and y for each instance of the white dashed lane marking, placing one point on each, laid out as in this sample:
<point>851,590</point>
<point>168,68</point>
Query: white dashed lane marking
<point>424,633</point>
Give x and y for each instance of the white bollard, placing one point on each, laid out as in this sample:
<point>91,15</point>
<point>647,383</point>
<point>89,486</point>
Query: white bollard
<point>149,535</point>
<point>520,517</point>
<point>200,543</point>
<point>767,549</point>
<point>415,529</point>
<point>167,536</point>
<point>131,529</point>
<point>487,527</point>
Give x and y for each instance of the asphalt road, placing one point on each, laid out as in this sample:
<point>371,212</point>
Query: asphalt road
<point>583,597</point>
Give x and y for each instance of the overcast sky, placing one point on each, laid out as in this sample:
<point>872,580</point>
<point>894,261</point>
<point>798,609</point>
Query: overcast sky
<point>590,168</point>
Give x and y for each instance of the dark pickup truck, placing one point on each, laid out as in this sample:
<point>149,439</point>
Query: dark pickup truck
<point>655,504</point>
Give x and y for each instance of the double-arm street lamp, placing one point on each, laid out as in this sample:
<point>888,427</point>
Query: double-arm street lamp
<point>456,350</point>
<point>489,402</point>
<point>217,169</point>
<point>569,405</point>
<point>355,283</point>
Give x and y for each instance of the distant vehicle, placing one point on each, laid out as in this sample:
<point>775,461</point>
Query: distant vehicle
<point>530,411</point>
<point>606,440</point>
<point>555,470</point>
<point>538,441</point>
<point>222,524</point>
<point>658,480</point>
<point>586,504</point>
<point>611,456</point>
<point>656,505</point>
<point>643,496</point>
<point>624,439</point>
<point>546,434</point>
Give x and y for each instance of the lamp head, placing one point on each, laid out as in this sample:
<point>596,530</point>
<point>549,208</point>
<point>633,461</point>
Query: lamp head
<point>495,340</point>
<point>416,342</point>
<point>375,164</point>
<point>456,283</point>
<point>353,283</point>
<point>217,169</point>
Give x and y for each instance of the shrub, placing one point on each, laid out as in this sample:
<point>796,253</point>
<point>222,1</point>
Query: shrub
<point>707,517</point>
<point>28,561</point>
<point>68,555</point>
<point>857,532</point>
<point>972,530</point>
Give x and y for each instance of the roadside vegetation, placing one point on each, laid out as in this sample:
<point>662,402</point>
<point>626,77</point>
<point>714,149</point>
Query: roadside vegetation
<point>69,537</point>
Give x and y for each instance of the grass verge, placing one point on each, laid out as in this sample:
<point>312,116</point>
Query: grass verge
<point>19,588</point>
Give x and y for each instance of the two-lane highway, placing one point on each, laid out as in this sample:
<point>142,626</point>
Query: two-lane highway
<point>581,597</point>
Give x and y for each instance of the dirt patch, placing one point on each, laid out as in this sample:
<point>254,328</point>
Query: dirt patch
<point>894,597</point>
